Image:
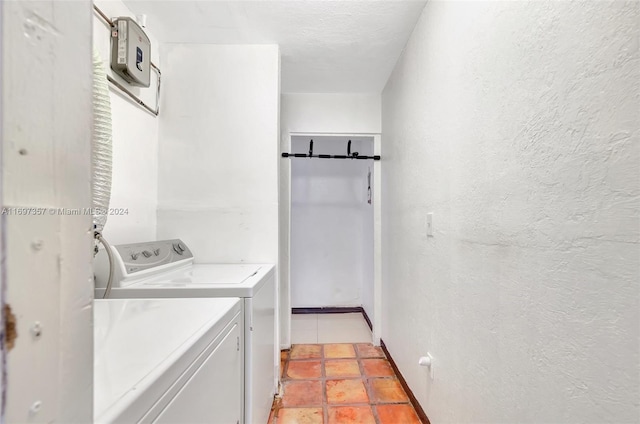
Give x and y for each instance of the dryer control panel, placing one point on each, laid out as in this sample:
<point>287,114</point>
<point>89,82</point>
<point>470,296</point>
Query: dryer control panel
<point>140,256</point>
<point>137,260</point>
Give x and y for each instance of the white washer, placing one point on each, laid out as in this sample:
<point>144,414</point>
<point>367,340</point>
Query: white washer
<point>159,360</point>
<point>165,269</point>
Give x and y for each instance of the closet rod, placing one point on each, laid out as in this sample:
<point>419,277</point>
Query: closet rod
<point>304,155</point>
<point>349,154</point>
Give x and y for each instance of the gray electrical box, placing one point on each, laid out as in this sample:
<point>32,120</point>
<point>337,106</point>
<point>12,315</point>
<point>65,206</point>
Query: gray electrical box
<point>130,52</point>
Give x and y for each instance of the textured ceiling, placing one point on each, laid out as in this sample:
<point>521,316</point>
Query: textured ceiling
<point>326,46</point>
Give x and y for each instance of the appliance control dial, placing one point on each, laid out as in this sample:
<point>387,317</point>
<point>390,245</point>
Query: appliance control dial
<point>156,251</point>
<point>134,255</point>
<point>146,253</point>
<point>178,248</point>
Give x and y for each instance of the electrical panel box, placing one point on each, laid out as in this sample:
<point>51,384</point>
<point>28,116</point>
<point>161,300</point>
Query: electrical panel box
<point>130,52</point>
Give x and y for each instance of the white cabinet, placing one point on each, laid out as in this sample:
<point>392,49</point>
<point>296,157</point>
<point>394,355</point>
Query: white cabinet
<point>214,393</point>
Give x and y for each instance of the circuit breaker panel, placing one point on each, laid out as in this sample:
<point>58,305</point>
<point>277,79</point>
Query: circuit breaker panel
<point>130,52</point>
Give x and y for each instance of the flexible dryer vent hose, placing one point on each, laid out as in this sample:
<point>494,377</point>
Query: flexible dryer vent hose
<point>102,151</point>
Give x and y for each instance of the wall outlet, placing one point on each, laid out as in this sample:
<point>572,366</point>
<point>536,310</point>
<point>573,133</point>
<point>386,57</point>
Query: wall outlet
<point>430,224</point>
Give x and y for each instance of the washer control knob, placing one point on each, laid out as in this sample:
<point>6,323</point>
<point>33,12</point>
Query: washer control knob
<point>134,255</point>
<point>146,254</point>
<point>156,251</point>
<point>176,248</point>
<point>181,247</point>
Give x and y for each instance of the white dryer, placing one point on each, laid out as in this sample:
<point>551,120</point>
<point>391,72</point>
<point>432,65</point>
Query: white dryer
<point>165,269</point>
<point>160,361</point>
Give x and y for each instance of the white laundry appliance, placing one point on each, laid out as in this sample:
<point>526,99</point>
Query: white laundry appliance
<point>165,269</point>
<point>162,360</point>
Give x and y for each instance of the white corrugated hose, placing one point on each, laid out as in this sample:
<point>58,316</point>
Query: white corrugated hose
<point>102,151</point>
<point>102,154</point>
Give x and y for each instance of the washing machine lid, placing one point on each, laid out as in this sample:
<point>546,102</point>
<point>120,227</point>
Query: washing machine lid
<point>202,280</point>
<point>148,343</point>
<point>211,274</point>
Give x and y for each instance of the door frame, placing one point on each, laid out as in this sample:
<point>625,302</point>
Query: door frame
<point>3,365</point>
<point>376,319</point>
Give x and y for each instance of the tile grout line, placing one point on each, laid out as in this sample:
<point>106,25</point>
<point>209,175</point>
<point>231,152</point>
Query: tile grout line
<point>325,396</point>
<point>367,386</point>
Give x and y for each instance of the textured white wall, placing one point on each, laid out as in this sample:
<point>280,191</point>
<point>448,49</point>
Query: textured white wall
<point>135,142</point>
<point>46,133</point>
<point>331,226</point>
<point>517,125</point>
<point>332,113</point>
<point>218,178</point>
<point>314,113</point>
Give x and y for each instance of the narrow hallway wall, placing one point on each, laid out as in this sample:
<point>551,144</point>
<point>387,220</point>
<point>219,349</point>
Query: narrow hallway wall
<point>516,124</point>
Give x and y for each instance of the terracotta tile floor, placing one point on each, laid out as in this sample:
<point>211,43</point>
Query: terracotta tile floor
<point>343,383</point>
